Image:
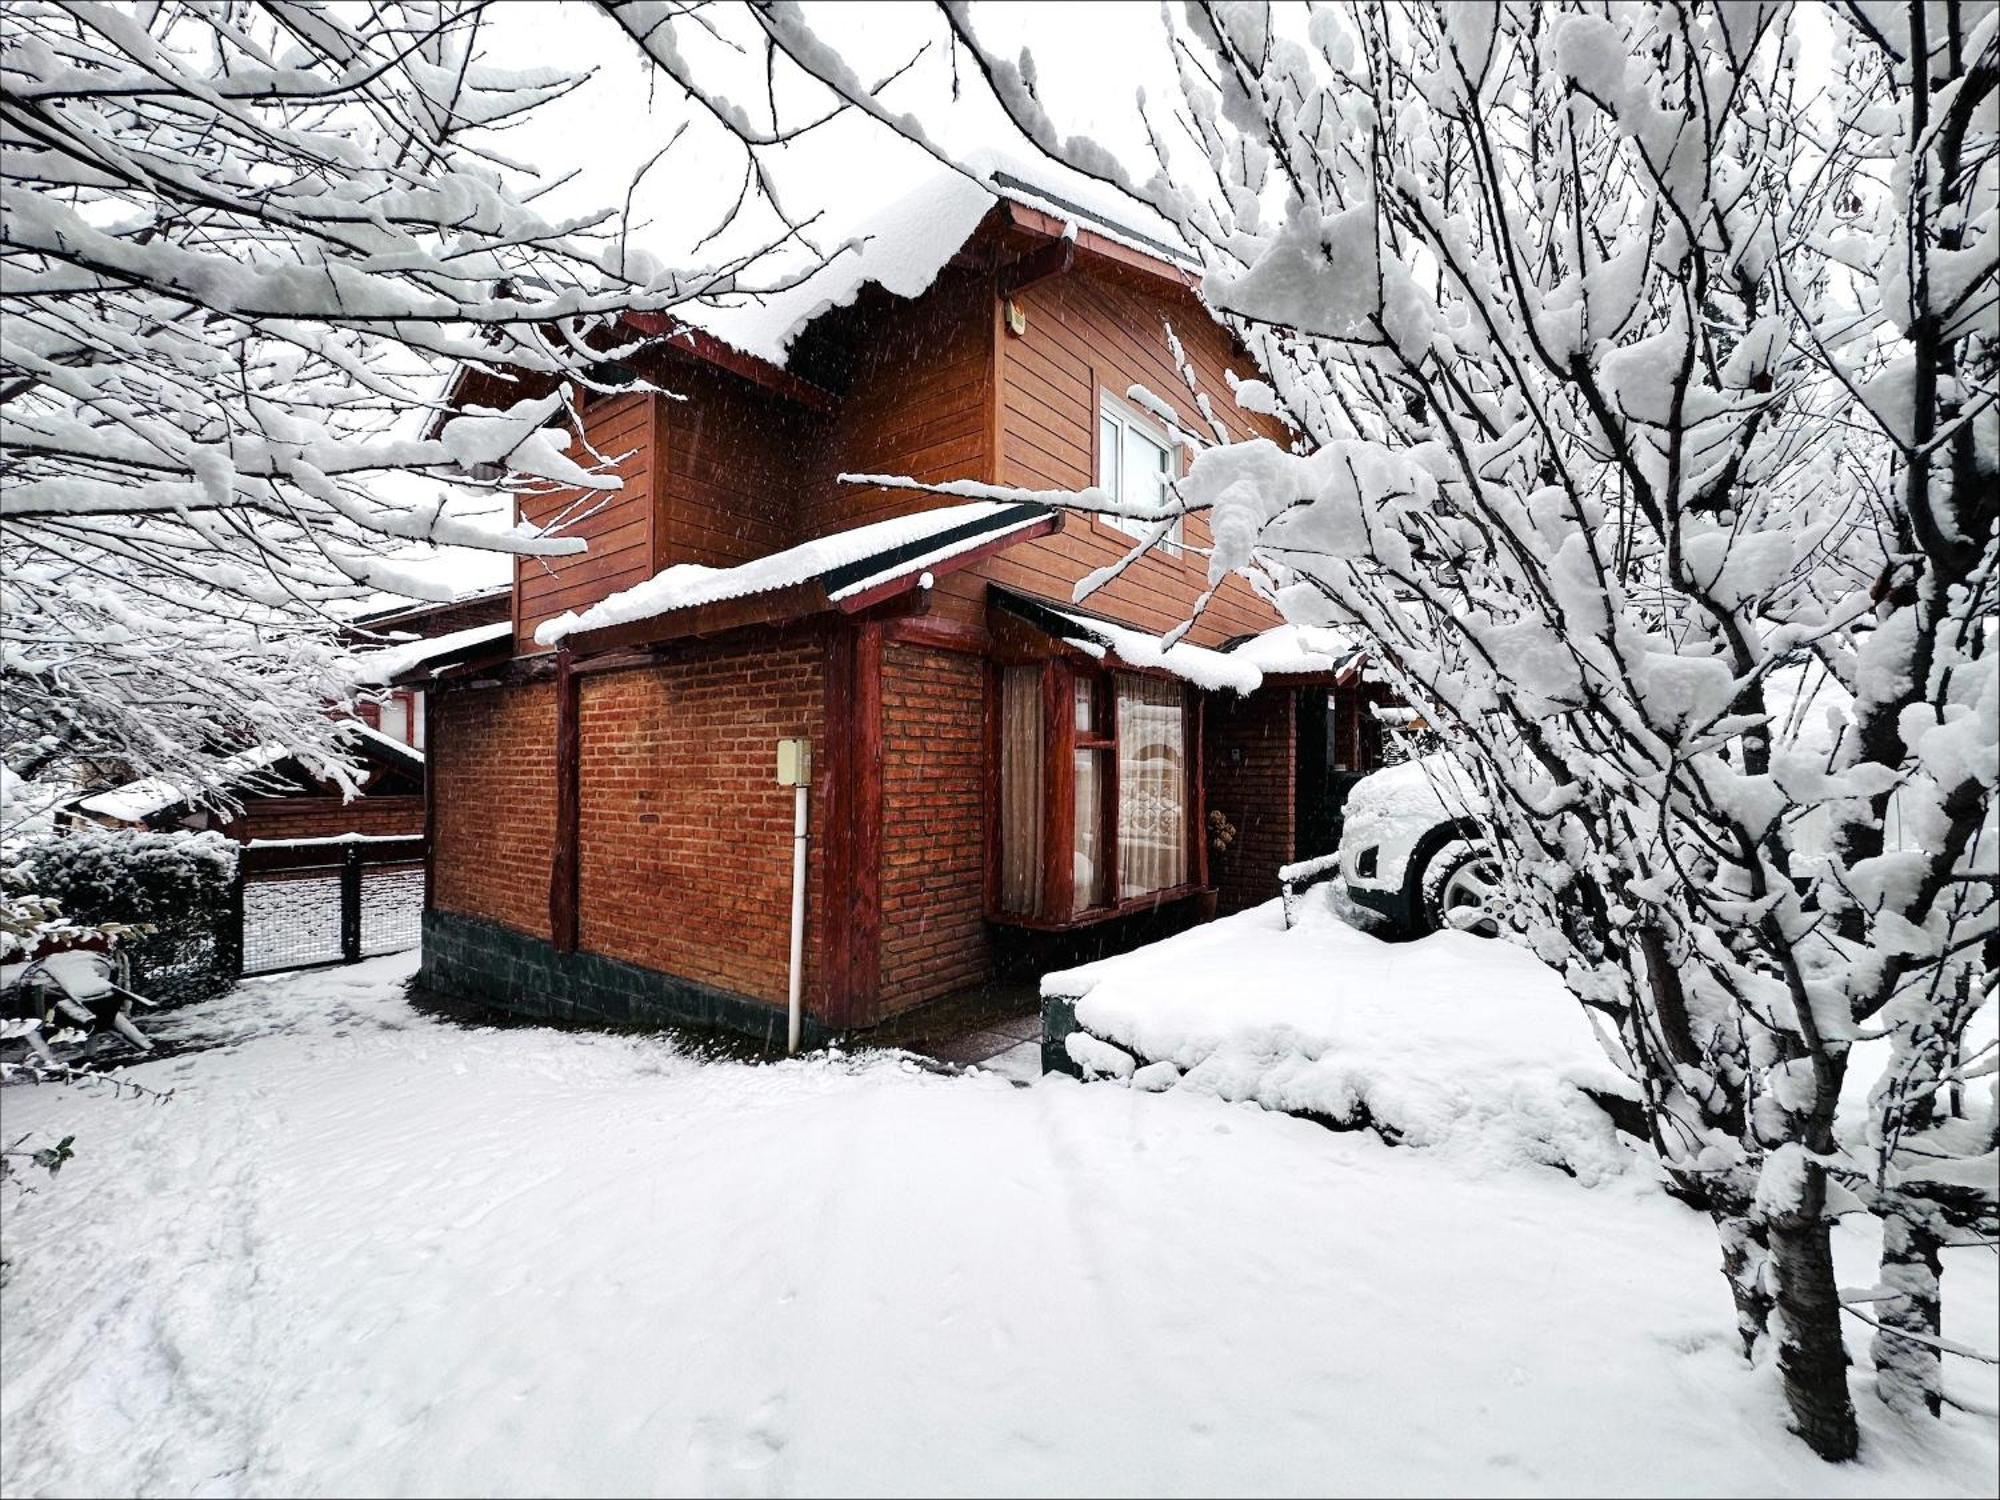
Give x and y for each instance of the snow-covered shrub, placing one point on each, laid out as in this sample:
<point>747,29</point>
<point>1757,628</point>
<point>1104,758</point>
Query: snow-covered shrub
<point>162,897</point>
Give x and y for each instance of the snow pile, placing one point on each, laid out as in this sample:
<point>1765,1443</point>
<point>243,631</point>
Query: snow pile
<point>364,1251</point>
<point>1456,1043</point>
<point>688,585</point>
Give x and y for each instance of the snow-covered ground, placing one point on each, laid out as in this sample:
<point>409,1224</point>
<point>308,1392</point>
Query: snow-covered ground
<point>363,1250</point>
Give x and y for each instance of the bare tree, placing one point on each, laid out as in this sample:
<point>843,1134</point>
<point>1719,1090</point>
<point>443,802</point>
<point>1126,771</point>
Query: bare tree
<point>240,246</point>
<point>1645,400</point>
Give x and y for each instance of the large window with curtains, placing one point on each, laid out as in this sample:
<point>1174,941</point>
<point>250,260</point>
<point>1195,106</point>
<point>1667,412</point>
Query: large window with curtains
<point>1096,808</point>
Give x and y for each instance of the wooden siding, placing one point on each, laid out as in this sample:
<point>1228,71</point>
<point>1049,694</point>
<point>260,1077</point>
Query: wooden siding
<point>619,525</point>
<point>738,460</point>
<point>1090,333</point>
<point>918,379</point>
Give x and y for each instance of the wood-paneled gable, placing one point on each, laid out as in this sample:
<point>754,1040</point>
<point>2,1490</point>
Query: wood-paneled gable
<point>619,526</point>
<point>1090,333</point>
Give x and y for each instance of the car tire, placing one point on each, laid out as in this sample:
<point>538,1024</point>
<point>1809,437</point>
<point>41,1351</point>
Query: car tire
<point>1452,880</point>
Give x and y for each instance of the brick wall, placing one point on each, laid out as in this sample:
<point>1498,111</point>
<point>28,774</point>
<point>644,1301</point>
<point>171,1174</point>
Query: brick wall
<point>323,817</point>
<point>934,937</point>
<point>686,836</point>
<point>493,769</point>
<point>1250,750</point>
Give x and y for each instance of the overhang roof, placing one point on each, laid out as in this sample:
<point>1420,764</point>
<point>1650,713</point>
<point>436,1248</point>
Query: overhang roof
<point>846,571</point>
<point>1286,652</point>
<point>150,796</point>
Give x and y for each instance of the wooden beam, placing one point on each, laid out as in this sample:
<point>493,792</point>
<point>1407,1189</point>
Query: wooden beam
<point>939,634</point>
<point>565,860</point>
<point>1198,798</point>
<point>676,337</point>
<point>833,780</point>
<point>1053,259</point>
<point>864,909</point>
<point>1101,247</point>
<point>1059,779</point>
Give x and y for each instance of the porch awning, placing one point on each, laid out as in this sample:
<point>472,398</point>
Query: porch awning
<point>846,571</point>
<point>1287,651</point>
<point>412,662</point>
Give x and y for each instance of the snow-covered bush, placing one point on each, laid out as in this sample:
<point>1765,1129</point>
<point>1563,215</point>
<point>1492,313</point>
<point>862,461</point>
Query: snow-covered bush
<point>163,898</point>
<point>1644,384</point>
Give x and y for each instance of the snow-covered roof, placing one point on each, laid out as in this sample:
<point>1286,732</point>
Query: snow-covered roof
<point>136,801</point>
<point>392,662</point>
<point>903,244</point>
<point>1205,668</point>
<point>1282,651</point>
<point>846,564</point>
<point>1296,650</point>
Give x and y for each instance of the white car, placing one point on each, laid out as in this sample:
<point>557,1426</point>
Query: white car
<point>1413,848</point>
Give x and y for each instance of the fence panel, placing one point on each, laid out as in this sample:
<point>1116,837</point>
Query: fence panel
<point>319,901</point>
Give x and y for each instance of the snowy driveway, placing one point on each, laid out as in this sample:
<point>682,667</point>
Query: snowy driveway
<point>367,1251</point>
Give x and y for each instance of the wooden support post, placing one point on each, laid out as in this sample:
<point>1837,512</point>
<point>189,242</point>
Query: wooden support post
<point>350,904</point>
<point>1197,803</point>
<point>1059,776</point>
<point>864,910</point>
<point>229,940</point>
<point>566,861</point>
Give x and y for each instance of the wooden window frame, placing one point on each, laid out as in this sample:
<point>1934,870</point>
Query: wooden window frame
<point>1060,675</point>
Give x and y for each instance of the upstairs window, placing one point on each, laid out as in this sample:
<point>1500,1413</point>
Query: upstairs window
<point>1135,461</point>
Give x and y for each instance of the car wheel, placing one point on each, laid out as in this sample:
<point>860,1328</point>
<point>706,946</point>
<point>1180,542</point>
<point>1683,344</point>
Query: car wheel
<point>1462,889</point>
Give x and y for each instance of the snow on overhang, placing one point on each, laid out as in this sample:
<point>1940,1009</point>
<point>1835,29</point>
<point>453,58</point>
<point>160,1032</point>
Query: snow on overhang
<point>420,659</point>
<point>847,571</point>
<point>1285,651</point>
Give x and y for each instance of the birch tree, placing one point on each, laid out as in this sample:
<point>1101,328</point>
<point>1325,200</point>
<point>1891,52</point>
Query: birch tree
<point>240,247</point>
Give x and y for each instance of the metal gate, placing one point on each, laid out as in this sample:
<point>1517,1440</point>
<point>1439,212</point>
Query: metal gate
<point>301,902</point>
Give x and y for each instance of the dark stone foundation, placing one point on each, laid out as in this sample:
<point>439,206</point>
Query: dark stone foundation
<point>486,964</point>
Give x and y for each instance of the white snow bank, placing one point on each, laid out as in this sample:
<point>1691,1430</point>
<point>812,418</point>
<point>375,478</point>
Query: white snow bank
<point>1454,1042</point>
<point>688,585</point>
<point>363,1251</point>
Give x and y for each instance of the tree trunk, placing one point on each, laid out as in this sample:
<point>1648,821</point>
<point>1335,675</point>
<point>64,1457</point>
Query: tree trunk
<point>1811,1357</point>
<point>1909,1374</point>
<point>1745,1252</point>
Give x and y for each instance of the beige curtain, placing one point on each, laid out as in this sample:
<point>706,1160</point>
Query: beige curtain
<point>1152,786</point>
<point>1021,794</point>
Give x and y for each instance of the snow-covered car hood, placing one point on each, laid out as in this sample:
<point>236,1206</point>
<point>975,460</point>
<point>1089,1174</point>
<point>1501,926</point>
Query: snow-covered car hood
<point>1391,809</point>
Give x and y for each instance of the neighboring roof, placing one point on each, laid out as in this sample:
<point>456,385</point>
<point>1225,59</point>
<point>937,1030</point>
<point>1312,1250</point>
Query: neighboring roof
<point>844,570</point>
<point>148,797</point>
<point>1242,667</point>
<point>413,617</point>
<point>435,654</point>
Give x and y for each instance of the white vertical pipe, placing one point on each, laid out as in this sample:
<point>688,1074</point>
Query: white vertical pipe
<point>798,913</point>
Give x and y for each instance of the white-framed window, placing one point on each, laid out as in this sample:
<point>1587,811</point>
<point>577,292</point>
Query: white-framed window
<point>1135,460</point>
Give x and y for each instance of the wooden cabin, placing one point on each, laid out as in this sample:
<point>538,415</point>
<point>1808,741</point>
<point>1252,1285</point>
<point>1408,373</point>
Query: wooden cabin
<point>1002,779</point>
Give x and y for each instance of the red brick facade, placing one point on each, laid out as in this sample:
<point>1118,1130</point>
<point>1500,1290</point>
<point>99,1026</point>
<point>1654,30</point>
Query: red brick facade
<point>934,938</point>
<point>1250,758</point>
<point>685,835</point>
<point>492,769</point>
